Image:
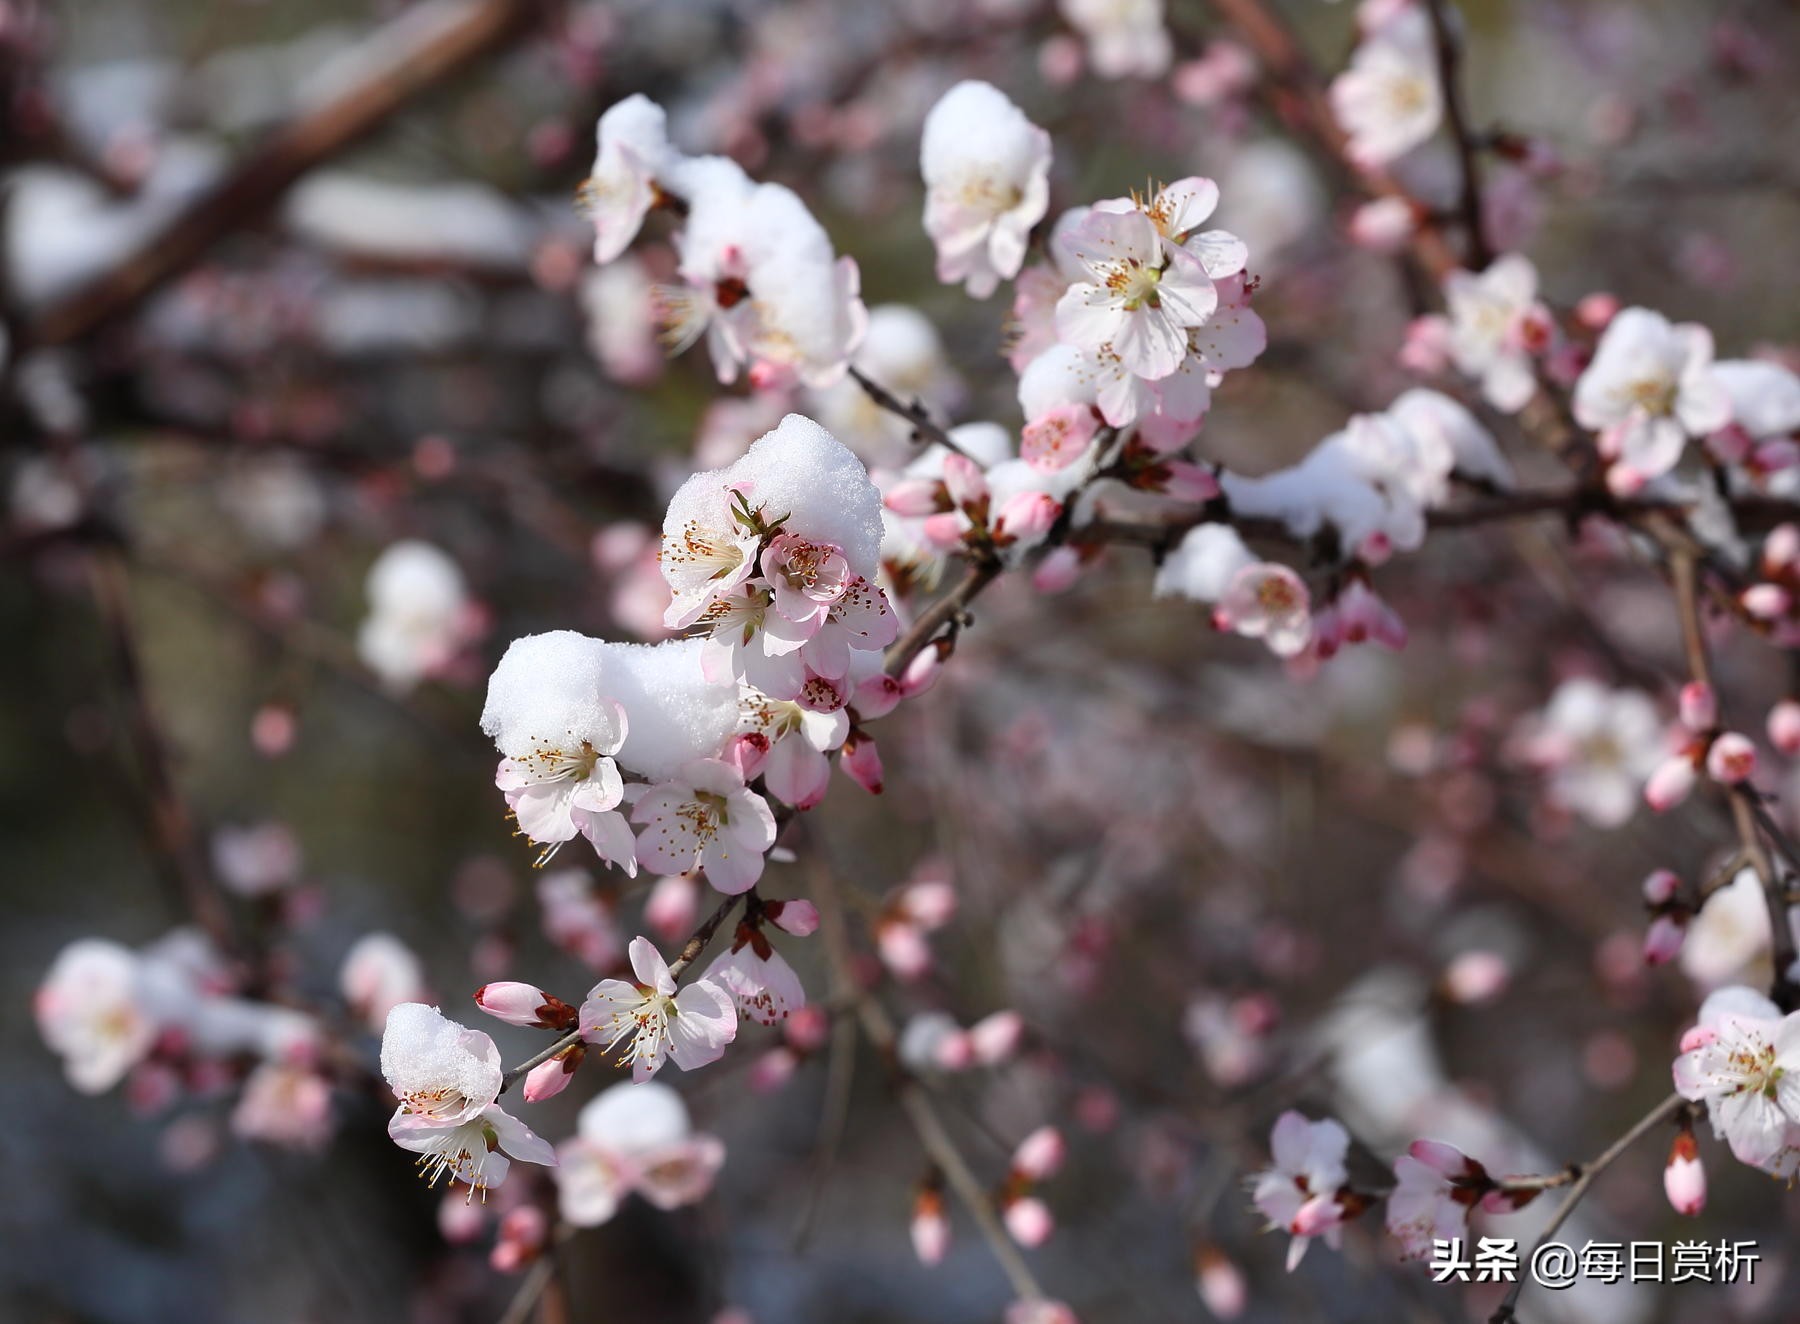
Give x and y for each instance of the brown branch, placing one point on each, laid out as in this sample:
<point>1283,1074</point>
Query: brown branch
<point>925,427</point>
<point>431,46</point>
<point>1456,118</point>
<point>946,611</point>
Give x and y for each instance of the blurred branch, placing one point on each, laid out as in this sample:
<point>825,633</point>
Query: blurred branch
<point>926,429</point>
<point>423,48</point>
<point>1456,117</point>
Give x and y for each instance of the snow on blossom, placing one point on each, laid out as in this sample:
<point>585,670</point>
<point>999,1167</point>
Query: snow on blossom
<point>632,147</point>
<point>987,183</point>
<point>378,974</point>
<point>1649,388</point>
<point>653,1021</point>
<point>1496,325</point>
<point>1203,564</point>
<point>1125,38</point>
<point>1743,1061</point>
<point>1389,100</point>
<point>633,1137</point>
<point>419,614</point>
<point>447,1078</point>
<point>1729,935</point>
<point>1599,745</point>
<point>90,1013</point>
<point>1139,297</point>
<point>1300,1191</point>
<point>705,817</point>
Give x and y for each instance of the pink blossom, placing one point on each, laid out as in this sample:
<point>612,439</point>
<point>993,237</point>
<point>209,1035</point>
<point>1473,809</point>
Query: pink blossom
<point>705,818</point>
<point>1040,1154</point>
<point>89,1011</point>
<point>653,1021</point>
<point>929,1228</point>
<point>1684,1176</point>
<point>1028,1221</point>
<point>524,1004</point>
<point>634,1138</point>
<point>1784,727</point>
<point>1267,601</point>
<point>1058,438</point>
<point>1731,759</point>
<point>862,761</point>
<point>761,983</point>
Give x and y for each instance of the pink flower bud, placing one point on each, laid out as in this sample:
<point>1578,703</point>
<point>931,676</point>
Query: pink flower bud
<point>930,1229</point>
<point>800,918</point>
<point>903,949</point>
<point>548,1079</point>
<point>1766,602</point>
<point>1684,1178</point>
<point>1426,351</point>
<point>1040,1154</point>
<point>1660,887</point>
<point>1732,759</point>
<point>459,1219</point>
<point>916,497</point>
<point>1662,940</point>
<point>747,753</point>
<point>1384,225</point>
<point>862,760</point>
<point>1476,977</point>
<point>1699,707</point>
<point>1058,571</point>
<point>1594,311</point>
<point>1784,726</point>
<point>518,1004</point>
<point>876,697</point>
<point>1189,482</point>
<point>954,1052</point>
<point>930,902</point>
<point>995,1038</point>
<point>1781,549</point>
<point>1028,515</point>
<point>1317,1216</point>
<point>1670,784</point>
<point>1447,1160</point>
<point>673,904</point>
<point>964,481</point>
<point>807,1028</point>
<point>773,1070</point>
<point>942,532</point>
<point>1774,456</point>
<point>1220,1283</point>
<point>922,672</point>
<point>1029,1221</point>
<point>1624,481</point>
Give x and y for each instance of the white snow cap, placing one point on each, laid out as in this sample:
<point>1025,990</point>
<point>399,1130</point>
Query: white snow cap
<point>415,578</point>
<point>422,1049</point>
<point>801,471</point>
<point>633,1118</point>
<point>987,180</point>
<point>551,684</point>
<point>1202,566</point>
<point>1765,397</point>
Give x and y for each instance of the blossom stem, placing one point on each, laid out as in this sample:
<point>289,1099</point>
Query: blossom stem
<point>1579,1177</point>
<point>945,611</point>
<point>925,427</point>
<point>1456,118</point>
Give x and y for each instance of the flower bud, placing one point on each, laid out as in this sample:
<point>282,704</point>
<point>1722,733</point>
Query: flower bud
<point>1040,1154</point>
<point>930,1229</point>
<point>1684,1177</point>
<point>1732,759</point>
<point>548,1079</point>
<point>1766,602</point>
<point>1663,939</point>
<point>1028,515</point>
<point>1476,977</point>
<point>1189,482</point>
<point>1383,225</point>
<point>995,1038</point>
<point>1220,1283</point>
<point>800,918</point>
<point>1784,726</point>
<point>1029,1221</point>
<point>876,697</point>
<point>1781,550</point>
<point>1058,571</point>
<point>1594,311</point>
<point>916,497</point>
<point>674,902</point>
<point>1660,887</point>
<point>1699,706</point>
<point>964,481</point>
<point>524,1004</point>
<point>862,760</point>
<point>922,672</point>
<point>1670,783</point>
<point>747,753</point>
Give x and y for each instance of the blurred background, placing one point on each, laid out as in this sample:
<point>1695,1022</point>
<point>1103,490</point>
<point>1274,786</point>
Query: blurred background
<point>289,282</point>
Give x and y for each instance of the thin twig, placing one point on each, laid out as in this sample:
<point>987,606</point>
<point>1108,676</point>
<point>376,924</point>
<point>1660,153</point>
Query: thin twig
<point>1456,119</point>
<point>925,427</point>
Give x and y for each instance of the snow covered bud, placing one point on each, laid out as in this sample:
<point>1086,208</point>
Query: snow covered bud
<point>862,761</point>
<point>1784,726</point>
<point>930,1228</point>
<point>800,918</point>
<point>1040,1155</point>
<point>1699,707</point>
<point>1684,1178</point>
<point>1732,759</point>
<point>1027,515</point>
<point>548,1079</point>
<point>1670,783</point>
<point>525,1004</point>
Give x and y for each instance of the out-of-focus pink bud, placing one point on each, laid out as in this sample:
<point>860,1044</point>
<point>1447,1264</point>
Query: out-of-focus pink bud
<point>995,1038</point>
<point>1775,455</point>
<point>807,1028</point>
<point>876,697</point>
<point>930,1229</point>
<point>1624,481</point>
<point>771,1071</point>
<point>1060,59</point>
<point>955,1051</point>
<point>916,497</point>
<point>1594,311</point>
<point>460,1219</point>
<point>922,672</point>
<point>1784,726</point>
<point>862,760</point>
<point>1533,331</point>
<point>1660,887</point>
<point>672,906</point>
<point>903,949</point>
<point>1383,225</point>
<point>747,753</point>
<point>1663,939</point>
<point>1766,602</point>
<point>1029,1221</point>
<point>1781,549</point>
<point>1220,1283</point>
<point>1376,549</point>
<point>548,1079</point>
<point>1447,1160</point>
<point>522,1235</point>
<point>1699,706</point>
<point>1058,571</point>
<point>1189,482</point>
<point>942,532</point>
<point>1670,784</point>
<point>1426,350</point>
<point>1730,445</point>
<point>1684,1179</point>
<point>524,1004</point>
<point>1040,1155</point>
<point>964,481</point>
<point>1317,1216</point>
<point>1476,977</point>
<point>800,918</point>
<point>1028,515</point>
<point>1732,759</point>
<point>929,902</point>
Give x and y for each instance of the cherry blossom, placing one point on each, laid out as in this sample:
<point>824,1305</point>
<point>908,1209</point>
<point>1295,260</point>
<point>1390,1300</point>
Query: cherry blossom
<point>1139,296</point>
<point>1742,1060</point>
<point>90,1011</point>
<point>1300,1192</point>
<point>1497,326</point>
<point>1389,99</point>
<point>1267,601</point>
<point>1437,1187</point>
<point>419,614</point>
<point>633,146</point>
<point>378,974</point>
<point>633,1138</point>
<point>705,817</point>
<point>653,1021</point>
<point>761,983</point>
<point>1600,746</point>
<point>1125,38</point>
<point>987,183</point>
<point>1650,387</point>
